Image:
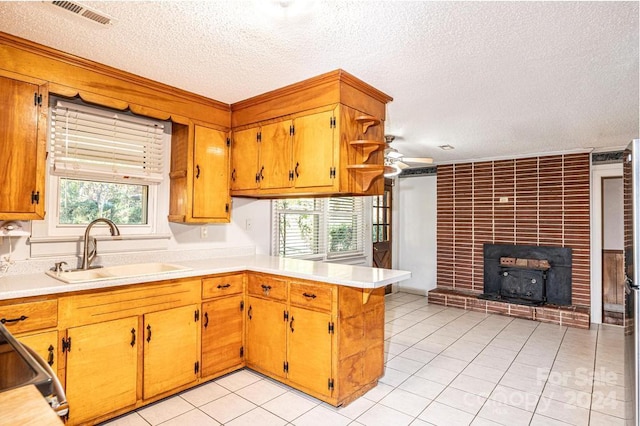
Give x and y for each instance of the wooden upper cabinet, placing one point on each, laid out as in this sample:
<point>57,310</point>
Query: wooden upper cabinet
<point>337,143</point>
<point>199,177</point>
<point>275,155</point>
<point>244,162</point>
<point>23,120</point>
<point>211,179</point>
<point>313,150</point>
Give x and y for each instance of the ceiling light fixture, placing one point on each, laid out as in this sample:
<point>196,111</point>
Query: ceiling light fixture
<point>446,147</point>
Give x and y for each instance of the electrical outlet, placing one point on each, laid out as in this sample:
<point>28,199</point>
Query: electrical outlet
<point>504,199</point>
<point>204,231</point>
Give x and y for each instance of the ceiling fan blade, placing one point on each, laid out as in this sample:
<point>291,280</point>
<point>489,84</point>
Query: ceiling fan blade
<point>422,160</point>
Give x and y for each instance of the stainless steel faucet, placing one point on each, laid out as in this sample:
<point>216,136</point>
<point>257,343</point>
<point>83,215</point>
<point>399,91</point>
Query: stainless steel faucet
<point>88,256</point>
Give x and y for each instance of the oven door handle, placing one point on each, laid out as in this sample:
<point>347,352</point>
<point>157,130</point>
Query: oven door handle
<point>58,400</point>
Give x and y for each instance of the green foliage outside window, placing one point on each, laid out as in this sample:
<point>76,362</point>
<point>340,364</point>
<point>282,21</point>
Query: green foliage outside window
<point>81,201</point>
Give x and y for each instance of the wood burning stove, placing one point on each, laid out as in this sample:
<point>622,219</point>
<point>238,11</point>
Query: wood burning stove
<point>527,275</point>
<point>523,281</point>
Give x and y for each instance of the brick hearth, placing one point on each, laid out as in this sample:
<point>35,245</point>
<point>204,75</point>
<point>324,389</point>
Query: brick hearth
<point>570,316</point>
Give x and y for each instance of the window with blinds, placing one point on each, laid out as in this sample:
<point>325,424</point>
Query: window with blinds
<point>320,228</point>
<point>96,144</point>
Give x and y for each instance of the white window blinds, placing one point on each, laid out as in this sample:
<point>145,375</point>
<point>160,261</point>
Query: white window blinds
<point>344,226</point>
<point>96,144</point>
<point>320,228</point>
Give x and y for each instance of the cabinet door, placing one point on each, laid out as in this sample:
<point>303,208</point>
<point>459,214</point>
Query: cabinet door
<point>309,349</point>
<point>22,149</point>
<point>170,349</point>
<point>266,335</point>
<point>102,366</point>
<point>222,326</point>
<point>210,174</point>
<point>45,345</point>
<point>244,159</point>
<point>275,155</point>
<point>313,150</point>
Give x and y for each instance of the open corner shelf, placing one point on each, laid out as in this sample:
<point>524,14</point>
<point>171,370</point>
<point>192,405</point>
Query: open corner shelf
<point>367,121</point>
<point>368,147</point>
<point>368,173</point>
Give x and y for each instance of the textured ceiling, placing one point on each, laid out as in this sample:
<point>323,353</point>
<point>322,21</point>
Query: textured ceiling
<point>492,79</point>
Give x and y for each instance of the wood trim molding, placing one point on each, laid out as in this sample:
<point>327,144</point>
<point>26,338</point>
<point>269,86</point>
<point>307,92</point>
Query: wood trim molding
<point>69,75</point>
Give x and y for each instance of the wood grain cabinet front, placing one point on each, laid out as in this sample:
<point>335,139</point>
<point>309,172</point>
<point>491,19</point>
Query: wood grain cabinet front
<point>199,176</point>
<point>23,122</point>
<point>321,136</point>
<point>222,324</point>
<point>101,368</point>
<point>222,335</point>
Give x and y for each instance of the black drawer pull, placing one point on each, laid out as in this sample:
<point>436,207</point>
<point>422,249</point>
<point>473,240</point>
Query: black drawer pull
<point>133,337</point>
<point>266,287</point>
<point>220,286</point>
<point>5,321</point>
<point>50,357</point>
<point>309,295</point>
<point>206,319</point>
<point>148,333</point>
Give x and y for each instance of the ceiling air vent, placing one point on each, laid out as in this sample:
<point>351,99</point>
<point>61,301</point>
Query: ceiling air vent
<point>84,11</point>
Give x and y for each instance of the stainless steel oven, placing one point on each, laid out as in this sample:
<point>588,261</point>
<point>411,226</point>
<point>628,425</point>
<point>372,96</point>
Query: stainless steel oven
<point>21,366</point>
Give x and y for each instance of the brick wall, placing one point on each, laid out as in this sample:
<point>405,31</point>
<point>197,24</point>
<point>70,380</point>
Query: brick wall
<point>532,201</point>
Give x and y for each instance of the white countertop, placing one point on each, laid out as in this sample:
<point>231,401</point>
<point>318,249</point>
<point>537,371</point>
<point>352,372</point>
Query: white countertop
<point>28,285</point>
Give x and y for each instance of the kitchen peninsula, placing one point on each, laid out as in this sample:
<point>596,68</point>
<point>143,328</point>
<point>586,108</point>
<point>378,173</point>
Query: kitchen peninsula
<point>318,327</point>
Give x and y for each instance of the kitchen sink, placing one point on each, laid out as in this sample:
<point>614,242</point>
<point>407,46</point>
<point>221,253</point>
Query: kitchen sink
<point>116,272</point>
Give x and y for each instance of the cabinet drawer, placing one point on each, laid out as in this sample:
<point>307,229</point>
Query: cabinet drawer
<point>267,287</point>
<point>221,286</point>
<point>29,316</point>
<point>311,296</point>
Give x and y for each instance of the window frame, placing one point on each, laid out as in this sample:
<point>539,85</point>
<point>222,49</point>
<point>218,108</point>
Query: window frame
<point>360,256</point>
<point>49,237</point>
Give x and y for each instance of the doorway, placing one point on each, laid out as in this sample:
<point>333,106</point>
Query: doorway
<point>612,251</point>
<point>382,221</point>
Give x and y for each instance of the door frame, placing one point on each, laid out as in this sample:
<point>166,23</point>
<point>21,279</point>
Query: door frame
<point>598,172</point>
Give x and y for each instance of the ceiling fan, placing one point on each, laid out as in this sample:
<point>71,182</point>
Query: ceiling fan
<point>395,161</point>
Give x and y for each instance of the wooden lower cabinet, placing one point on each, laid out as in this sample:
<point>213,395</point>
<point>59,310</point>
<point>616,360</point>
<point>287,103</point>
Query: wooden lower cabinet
<point>44,344</point>
<point>170,349</point>
<point>266,336</point>
<point>102,368</point>
<point>222,334</point>
<point>309,350</point>
<point>330,339</point>
<point>119,349</point>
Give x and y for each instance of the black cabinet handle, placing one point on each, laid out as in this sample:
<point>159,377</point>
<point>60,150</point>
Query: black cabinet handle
<point>291,324</point>
<point>250,311</point>
<point>10,320</point>
<point>133,337</point>
<point>266,287</point>
<point>50,357</point>
<point>233,175</point>
<point>206,319</point>
<point>197,171</point>
<point>309,295</point>
<point>296,169</point>
<point>221,286</point>
<point>262,173</point>
<point>148,333</point>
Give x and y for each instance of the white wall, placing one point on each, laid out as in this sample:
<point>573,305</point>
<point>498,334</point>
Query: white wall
<point>415,232</point>
<point>188,237</point>
<point>612,214</point>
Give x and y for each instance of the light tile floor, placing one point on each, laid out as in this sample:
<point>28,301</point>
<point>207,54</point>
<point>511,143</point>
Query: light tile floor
<point>444,366</point>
